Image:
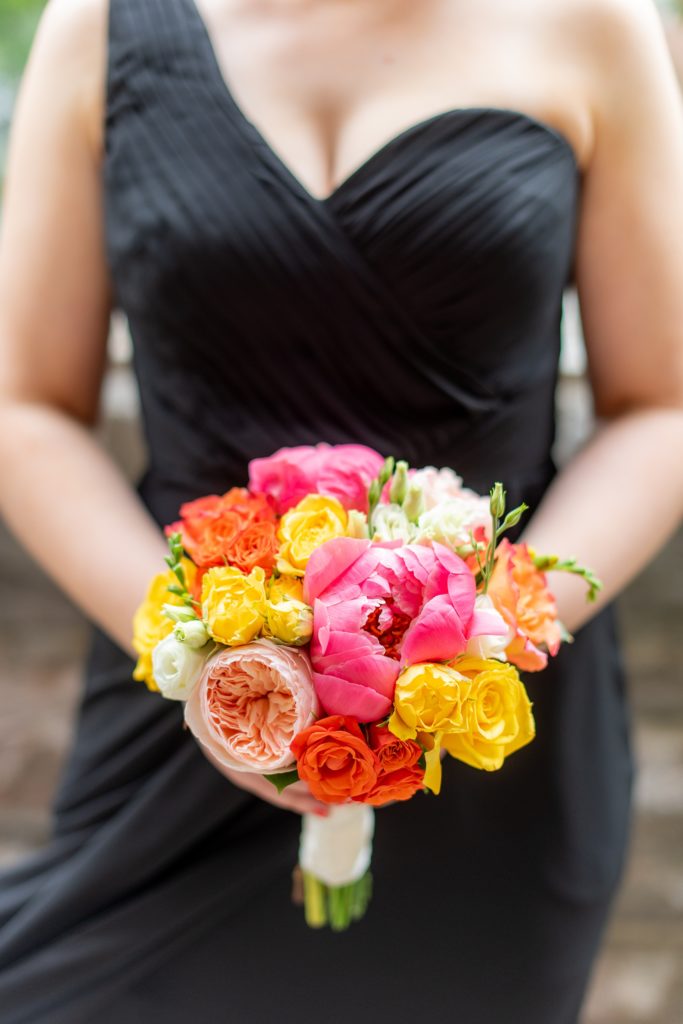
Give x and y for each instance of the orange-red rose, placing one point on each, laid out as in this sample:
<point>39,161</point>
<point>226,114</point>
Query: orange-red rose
<point>400,776</point>
<point>335,760</point>
<point>257,545</point>
<point>220,529</point>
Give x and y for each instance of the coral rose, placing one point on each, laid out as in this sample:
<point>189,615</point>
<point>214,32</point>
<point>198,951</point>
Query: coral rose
<point>380,607</point>
<point>250,703</point>
<point>520,593</point>
<point>335,760</point>
<point>342,471</point>
<point>498,718</point>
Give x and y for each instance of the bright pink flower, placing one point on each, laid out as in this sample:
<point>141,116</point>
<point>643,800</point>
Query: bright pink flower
<point>379,607</point>
<point>343,471</point>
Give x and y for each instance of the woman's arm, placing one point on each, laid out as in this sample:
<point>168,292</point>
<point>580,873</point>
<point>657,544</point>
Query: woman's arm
<point>60,493</point>
<point>621,497</point>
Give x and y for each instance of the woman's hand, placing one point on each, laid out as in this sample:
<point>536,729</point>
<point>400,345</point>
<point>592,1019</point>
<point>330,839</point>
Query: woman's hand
<point>297,797</point>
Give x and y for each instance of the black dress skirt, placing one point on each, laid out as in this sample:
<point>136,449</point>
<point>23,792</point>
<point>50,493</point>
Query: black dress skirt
<point>417,310</point>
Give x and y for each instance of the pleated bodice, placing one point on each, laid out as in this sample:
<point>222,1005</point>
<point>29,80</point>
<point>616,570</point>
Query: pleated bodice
<point>418,306</point>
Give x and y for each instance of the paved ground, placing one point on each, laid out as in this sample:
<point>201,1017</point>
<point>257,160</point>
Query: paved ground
<point>640,976</point>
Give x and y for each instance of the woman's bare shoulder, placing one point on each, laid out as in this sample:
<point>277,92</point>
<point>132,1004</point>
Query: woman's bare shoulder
<point>621,62</point>
<point>68,57</point>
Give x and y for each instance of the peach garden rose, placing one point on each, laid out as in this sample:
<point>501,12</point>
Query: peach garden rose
<point>250,703</point>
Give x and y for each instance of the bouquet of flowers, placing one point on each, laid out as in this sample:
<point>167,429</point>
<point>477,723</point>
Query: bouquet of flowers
<point>348,622</point>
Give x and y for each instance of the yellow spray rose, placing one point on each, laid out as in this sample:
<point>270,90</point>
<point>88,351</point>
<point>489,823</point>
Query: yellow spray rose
<point>315,520</point>
<point>285,588</point>
<point>428,698</point>
<point>150,625</point>
<point>429,702</point>
<point>234,605</point>
<point>289,621</point>
<point>498,718</point>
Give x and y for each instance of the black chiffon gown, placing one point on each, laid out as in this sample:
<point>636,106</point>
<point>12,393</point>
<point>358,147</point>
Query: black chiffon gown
<point>416,309</point>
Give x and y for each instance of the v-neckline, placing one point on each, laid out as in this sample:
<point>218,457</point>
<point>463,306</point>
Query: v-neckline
<point>385,148</point>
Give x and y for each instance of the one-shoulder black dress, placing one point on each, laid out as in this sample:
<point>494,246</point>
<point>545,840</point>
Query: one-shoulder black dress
<point>417,310</point>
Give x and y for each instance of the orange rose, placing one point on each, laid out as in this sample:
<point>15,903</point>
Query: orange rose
<point>210,526</point>
<point>399,785</point>
<point>400,776</point>
<point>257,545</point>
<point>251,508</point>
<point>393,753</point>
<point>334,759</point>
<point>519,591</point>
<point>208,540</point>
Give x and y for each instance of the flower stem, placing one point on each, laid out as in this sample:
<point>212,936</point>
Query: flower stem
<point>314,901</point>
<point>336,906</point>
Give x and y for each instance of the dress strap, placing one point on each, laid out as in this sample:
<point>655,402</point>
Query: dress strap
<point>150,42</point>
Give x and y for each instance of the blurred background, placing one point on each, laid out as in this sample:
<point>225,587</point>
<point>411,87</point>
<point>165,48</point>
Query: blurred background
<point>43,639</point>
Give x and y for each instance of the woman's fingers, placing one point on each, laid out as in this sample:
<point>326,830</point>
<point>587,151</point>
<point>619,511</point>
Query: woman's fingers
<point>297,797</point>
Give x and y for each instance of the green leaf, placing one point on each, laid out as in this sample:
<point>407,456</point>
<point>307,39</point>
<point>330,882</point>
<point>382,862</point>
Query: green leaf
<point>284,779</point>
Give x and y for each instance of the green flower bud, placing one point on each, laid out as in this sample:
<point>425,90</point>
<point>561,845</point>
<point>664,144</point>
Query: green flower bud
<point>413,502</point>
<point>399,485</point>
<point>192,633</point>
<point>498,501</point>
<point>357,525</point>
<point>374,492</point>
<point>387,470</point>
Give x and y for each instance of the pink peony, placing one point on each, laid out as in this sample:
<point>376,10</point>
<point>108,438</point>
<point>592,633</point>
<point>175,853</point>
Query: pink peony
<point>380,607</point>
<point>343,471</point>
<point>250,703</point>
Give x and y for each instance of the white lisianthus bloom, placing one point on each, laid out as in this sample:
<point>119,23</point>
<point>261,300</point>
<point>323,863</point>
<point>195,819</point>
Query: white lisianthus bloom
<point>176,668</point>
<point>453,522</point>
<point>489,645</point>
<point>389,522</point>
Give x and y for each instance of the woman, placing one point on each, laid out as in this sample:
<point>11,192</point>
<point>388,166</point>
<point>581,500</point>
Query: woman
<point>381,260</point>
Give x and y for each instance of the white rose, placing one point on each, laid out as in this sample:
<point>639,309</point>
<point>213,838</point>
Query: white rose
<point>176,668</point>
<point>390,522</point>
<point>488,645</point>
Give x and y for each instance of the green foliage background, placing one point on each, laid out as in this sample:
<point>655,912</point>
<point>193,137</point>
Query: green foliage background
<point>18,20</point>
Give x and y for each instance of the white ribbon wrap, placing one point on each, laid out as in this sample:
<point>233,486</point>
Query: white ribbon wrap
<point>337,850</point>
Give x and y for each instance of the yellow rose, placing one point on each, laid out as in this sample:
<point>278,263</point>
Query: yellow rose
<point>429,701</point>
<point>233,605</point>
<point>315,520</point>
<point>428,698</point>
<point>285,588</point>
<point>289,621</point>
<point>498,718</point>
<point>150,625</point>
